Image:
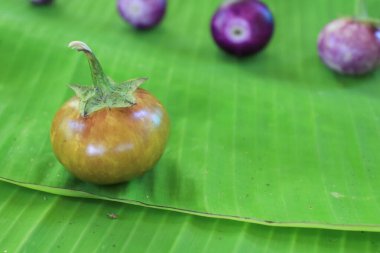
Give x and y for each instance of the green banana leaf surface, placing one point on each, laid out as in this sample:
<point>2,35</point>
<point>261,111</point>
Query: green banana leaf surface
<point>274,139</point>
<point>33,221</point>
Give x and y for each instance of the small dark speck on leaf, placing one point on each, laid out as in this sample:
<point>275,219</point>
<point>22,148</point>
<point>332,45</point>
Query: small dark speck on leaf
<point>112,216</point>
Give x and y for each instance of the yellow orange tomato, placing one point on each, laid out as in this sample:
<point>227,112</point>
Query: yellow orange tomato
<point>111,144</point>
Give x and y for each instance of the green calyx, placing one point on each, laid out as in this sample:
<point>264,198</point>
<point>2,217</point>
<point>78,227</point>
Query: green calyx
<point>361,14</point>
<point>104,93</point>
<point>361,11</point>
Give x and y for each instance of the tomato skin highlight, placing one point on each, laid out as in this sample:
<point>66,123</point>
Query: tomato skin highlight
<point>110,145</point>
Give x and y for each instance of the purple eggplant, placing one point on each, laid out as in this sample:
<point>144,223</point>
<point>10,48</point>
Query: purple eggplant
<point>142,14</point>
<point>350,46</point>
<point>41,2</point>
<point>242,27</point>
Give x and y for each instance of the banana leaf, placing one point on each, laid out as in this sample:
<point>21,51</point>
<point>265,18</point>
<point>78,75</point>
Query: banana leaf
<point>275,139</point>
<point>33,221</point>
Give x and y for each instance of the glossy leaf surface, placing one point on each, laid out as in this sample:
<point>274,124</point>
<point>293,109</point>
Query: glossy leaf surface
<point>34,221</point>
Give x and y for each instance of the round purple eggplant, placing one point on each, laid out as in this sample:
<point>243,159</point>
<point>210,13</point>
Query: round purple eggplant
<point>142,14</point>
<point>242,27</point>
<point>41,2</point>
<point>350,46</point>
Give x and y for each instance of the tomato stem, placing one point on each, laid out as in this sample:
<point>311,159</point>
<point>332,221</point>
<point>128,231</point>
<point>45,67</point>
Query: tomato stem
<point>104,93</point>
<point>98,77</point>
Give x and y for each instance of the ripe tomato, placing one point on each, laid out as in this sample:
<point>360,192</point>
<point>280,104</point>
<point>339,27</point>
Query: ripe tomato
<point>112,144</point>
